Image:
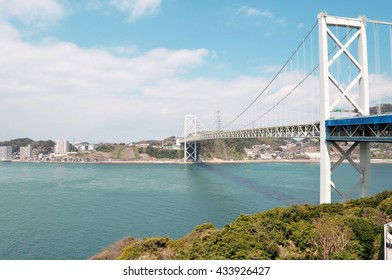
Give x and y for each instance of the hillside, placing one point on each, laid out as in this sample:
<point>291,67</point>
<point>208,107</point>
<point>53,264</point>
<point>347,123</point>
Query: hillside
<point>42,146</point>
<point>353,230</point>
<point>382,108</point>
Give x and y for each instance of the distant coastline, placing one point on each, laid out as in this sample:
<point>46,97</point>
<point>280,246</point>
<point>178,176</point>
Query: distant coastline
<point>209,161</point>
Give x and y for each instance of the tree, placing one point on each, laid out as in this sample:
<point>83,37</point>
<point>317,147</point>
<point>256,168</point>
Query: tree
<point>330,236</point>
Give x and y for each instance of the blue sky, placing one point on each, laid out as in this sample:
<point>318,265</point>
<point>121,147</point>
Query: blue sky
<point>127,70</point>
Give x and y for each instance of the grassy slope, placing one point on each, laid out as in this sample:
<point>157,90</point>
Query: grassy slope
<point>353,230</point>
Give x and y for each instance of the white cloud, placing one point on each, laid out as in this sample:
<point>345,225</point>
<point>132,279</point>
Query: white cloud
<point>270,69</point>
<point>379,89</point>
<point>248,11</point>
<point>30,10</point>
<point>59,90</point>
<point>136,8</point>
<point>126,51</point>
<point>8,32</point>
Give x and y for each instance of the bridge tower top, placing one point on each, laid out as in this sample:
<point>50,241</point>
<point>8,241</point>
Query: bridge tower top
<point>190,126</point>
<point>356,56</point>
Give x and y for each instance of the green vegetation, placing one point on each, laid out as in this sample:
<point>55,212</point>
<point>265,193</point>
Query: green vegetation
<point>122,152</point>
<point>107,148</point>
<point>353,230</point>
<point>226,149</point>
<point>164,153</point>
<point>384,108</point>
<point>118,151</point>
<point>42,146</point>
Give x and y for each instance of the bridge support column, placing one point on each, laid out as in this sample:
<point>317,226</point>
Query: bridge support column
<point>325,161</point>
<point>364,157</point>
<point>325,171</point>
<point>191,151</point>
<point>346,91</point>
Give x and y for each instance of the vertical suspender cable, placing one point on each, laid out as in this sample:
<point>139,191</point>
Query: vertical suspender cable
<point>304,60</point>
<point>390,45</point>
<point>339,59</point>
<point>271,82</point>
<point>376,48</point>
<point>377,62</point>
<point>338,78</point>
<point>297,75</point>
<point>303,107</point>
<point>312,93</point>
<point>311,51</point>
<point>348,60</point>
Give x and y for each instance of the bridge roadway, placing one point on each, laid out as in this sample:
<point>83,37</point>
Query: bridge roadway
<point>374,128</point>
<point>294,131</point>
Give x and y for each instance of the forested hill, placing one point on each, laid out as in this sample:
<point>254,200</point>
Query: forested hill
<point>383,108</point>
<point>353,230</point>
<point>44,146</point>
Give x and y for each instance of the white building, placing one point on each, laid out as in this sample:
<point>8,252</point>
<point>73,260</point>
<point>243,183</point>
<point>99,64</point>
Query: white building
<point>250,153</point>
<point>266,156</point>
<point>25,153</point>
<point>61,147</point>
<point>315,155</point>
<point>85,147</point>
<point>5,153</point>
<point>82,147</point>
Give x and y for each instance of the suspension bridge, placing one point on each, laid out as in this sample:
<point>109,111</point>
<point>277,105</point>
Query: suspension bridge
<point>324,90</point>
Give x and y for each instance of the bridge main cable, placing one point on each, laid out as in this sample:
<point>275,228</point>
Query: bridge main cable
<point>275,77</point>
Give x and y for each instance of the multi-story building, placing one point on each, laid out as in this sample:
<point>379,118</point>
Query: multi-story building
<point>25,153</point>
<point>5,153</point>
<point>61,147</point>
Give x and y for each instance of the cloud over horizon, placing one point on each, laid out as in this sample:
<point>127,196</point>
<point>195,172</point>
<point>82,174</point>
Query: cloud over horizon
<point>60,83</point>
<point>57,89</point>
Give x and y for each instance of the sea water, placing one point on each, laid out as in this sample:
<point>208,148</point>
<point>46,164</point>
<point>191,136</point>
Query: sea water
<point>73,211</point>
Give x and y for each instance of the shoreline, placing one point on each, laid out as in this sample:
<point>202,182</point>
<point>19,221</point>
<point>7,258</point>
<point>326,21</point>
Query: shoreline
<point>209,161</point>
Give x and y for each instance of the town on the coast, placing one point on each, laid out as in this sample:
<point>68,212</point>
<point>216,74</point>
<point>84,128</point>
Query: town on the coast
<point>168,150</point>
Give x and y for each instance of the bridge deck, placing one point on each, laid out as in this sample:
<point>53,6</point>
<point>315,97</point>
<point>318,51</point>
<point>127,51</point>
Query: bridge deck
<point>375,128</point>
<point>294,131</point>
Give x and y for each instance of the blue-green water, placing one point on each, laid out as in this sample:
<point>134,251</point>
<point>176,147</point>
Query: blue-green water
<point>72,211</point>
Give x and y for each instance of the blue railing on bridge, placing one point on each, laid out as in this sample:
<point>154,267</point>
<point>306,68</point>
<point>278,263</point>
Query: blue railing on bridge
<point>374,128</point>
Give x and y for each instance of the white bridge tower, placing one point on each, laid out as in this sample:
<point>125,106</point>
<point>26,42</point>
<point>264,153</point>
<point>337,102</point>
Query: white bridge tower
<point>355,91</point>
<point>190,147</point>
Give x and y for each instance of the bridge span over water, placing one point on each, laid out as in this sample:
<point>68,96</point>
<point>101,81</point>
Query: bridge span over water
<point>376,128</point>
<point>327,96</point>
